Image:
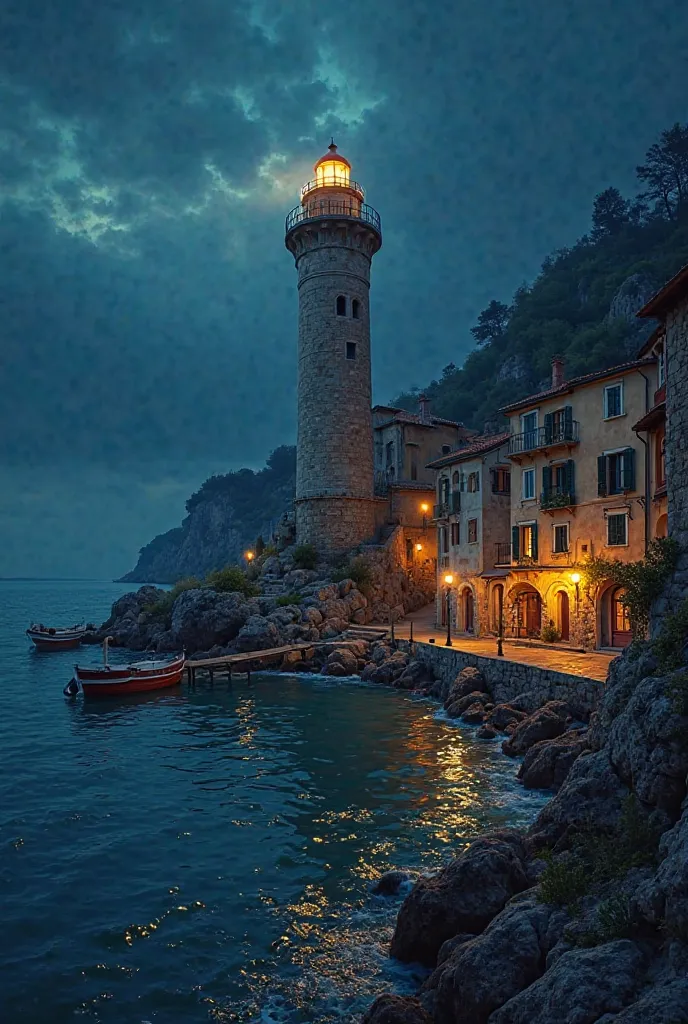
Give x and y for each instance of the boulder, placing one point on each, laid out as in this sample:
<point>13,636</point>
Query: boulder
<point>330,592</point>
<point>664,899</point>
<point>332,628</point>
<point>335,609</point>
<point>548,762</point>
<point>457,708</point>
<point>503,715</point>
<point>545,724</point>
<point>481,975</point>
<point>464,896</point>
<point>345,587</point>
<point>203,618</point>
<point>469,680</point>
<point>311,616</point>
<point>487,732</point>
<point>389,1009</point>
<point>355,601</point>
<point>474,714</point>
<point>259,634</point>
<point>391,882</point>
<point>415,675</point>
<point>582,986</point>
<point>341,662</point>
<point>662,1004</point>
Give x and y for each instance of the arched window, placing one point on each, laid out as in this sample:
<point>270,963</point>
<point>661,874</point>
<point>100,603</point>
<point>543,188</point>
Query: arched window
<point>355,309</point>
<point>455,481</point>
<point>341,305</point>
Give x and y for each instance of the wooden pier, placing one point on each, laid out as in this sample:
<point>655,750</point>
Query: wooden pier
<point>252,660</point>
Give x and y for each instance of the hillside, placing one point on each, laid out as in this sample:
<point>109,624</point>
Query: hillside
<point>582,304</point>
<point>225,517</point>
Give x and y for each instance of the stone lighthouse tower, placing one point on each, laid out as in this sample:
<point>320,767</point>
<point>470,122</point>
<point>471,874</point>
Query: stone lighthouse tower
<point>333,236</point>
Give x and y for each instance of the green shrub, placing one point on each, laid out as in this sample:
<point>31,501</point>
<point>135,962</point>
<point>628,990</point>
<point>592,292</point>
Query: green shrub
<point>305,557</point>
<point>162,609</point>
<point>563,882</point>
<point>357,569</point>
<point>230,580</point>
<point>549,633</point>
<point>672,638</point>
<point>287,599</point>
<point>615,920</point>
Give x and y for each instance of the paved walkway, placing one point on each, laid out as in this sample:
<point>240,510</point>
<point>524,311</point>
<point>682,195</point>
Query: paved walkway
<point>592,666</point>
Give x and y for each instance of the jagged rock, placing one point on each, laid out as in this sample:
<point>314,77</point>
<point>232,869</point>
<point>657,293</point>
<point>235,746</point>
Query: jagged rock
<point>481,975</point>
<point>285,615</point>
<point>414,676</point>
<point>463,897</point>
<point>631,295</point>
<point>312,616</point>
<point>664,899</point>
<point>545,724</point>
<point>503,715</point>
<point>203,618</point>
<point>345,586</point>
<point>592,796</point>
<point>662,1004</point>
<point>391,882</point>
<point>474,714</point>
<point>390,1009</point>
<point>330,592</point>
<point>469,680</point>
<point>333,627</point>
<point>259,634</point>
<point>487,732</point>
<point>335,609</point>
<point>341,662</point>
<point>548,762</point>
<point>457,708</point>
<point>581,987</point>
<point>446,950</point>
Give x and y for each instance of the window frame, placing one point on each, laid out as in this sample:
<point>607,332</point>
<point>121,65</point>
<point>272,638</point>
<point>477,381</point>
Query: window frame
<point>661,368</point>
<point>622,406</point>
<point>561,526</point>
<point>530,473</point>
<point>474,523</point>
<point>345,300</point>
<point>356,309</point>
<point>455,528</point>
<point>617,515</point>
<point>351,348</point>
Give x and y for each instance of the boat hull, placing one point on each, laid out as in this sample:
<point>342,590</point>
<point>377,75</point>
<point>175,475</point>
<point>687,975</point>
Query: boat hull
<point>54,642</point>
<point>120,681</point>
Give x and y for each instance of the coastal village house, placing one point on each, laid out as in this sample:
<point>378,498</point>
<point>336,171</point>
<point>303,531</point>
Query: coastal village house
<point>471,513</point>
<point>582,484</point>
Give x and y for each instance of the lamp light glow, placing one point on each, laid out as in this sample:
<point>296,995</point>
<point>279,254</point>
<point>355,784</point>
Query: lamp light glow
<point>424,507</point>
<point>250,556</point>
<point>449,579</point>
<point>575,577</point>
<point>419,547</point>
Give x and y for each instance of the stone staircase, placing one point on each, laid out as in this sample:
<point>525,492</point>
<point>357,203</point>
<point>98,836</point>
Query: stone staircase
<point>369,633</point>
<point>272,586</point>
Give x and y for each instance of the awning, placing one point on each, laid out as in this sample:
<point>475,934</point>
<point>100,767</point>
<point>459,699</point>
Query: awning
<point>654,418</point>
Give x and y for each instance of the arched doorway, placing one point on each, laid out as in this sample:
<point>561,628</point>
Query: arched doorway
<point>497,599</point>
<point>615,625</point>
<point>468,611</point>
<point>662,527</point>
<point>563,622</point>
<point>528,612</point>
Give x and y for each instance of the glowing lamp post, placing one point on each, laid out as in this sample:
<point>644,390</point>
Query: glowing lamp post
<point>448,579</point>
<point>249,556</point>
<point>500,634</point>
<point>419,547</point>
<point>425,509</point>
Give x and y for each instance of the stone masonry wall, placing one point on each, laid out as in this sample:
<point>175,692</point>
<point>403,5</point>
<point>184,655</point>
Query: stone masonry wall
<point>508,679</point>
<point>335,435</point>
<point>676,452</point>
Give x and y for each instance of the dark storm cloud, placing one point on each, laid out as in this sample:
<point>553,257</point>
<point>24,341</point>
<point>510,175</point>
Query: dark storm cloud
<point>147,303</point>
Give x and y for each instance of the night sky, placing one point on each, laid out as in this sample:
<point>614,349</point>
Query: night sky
<point>149,152</point>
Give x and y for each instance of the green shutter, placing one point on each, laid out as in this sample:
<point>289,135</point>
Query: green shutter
<point>515,547</point>
<point>571,479</point>
<point>546,481</point>
<point>629,469</point>
<point>568,423</point>
<point>535,541</point>
<point>549,418</point>
<point>602,476</point>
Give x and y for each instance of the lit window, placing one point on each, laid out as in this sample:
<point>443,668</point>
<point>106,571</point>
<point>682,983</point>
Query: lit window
<point>528,484</point>
<point>351,350</point>
<point>341,305</point>
<point>356,309</point>
<point>472,531</point>
<point>617,530</point>
<point>613,400</point>
<point>528,541</point>
<point>561,538</point>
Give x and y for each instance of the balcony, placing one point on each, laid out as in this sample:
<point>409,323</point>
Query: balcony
<point>544,437</point>
<point>332,181</point>
<point>555,498</point>
<point>440,511</point>
<point>334,208</point>
<point>502,553</point>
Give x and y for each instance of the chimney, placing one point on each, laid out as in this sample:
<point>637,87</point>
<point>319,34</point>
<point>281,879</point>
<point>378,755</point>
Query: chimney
<point>557,372</point>
<point>424,409</point>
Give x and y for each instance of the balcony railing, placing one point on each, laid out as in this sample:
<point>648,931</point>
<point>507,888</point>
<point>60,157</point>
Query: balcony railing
<point>544,437</point>
<point>333,208</point>
<point>440,511</point>
<point>557,497</point>
<point>332,181</point>
<point>502,553</point>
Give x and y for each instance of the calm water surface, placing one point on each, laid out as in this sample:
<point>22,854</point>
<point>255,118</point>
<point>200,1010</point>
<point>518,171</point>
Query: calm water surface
<point>207,856</point>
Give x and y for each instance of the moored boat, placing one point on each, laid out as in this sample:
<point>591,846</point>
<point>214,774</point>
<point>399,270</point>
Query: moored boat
<point>52,638</point>
<point>119,680</point>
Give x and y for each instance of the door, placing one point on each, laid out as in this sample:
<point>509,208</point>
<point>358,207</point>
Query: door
<point>621,626</point>
<point>468,610</point>
<point>528,613</point>
<point>563,614</point>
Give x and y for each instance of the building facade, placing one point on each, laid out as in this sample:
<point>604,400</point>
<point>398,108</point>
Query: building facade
<point>651,429</point>
<point>471,515</point>
<point>579,491</point>
<point>333,236</point>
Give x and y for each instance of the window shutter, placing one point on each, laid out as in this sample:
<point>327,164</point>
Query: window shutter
<point>477,481</point>
<point>515,548</point>
<point>629,469</point>
<point>602,476</point>
<point>546,481</point>
<point>571,478</point>
<point>568,423</point>
<point>493,478</point>
<point>549,419</point>
<point>534,528</point>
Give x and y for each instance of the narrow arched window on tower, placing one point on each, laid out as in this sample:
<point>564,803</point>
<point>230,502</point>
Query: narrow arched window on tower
<point>341,305</point>
<point>356,309</point>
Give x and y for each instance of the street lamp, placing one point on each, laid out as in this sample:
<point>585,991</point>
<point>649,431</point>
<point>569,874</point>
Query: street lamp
<point>249,556</point>
<point>425,508</point>
<point>500,634</point>
<point>448,579</point>
<point>419,547</point>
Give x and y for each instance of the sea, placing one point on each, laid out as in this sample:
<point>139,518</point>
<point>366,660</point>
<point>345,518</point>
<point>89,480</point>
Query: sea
<point>208,855</point>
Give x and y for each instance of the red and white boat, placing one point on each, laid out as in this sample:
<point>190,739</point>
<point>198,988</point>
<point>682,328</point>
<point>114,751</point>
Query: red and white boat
<point>119,680</point>
<point>52,638</point>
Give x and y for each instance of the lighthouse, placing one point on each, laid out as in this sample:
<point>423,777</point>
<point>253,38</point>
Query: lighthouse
<point>333,235</point>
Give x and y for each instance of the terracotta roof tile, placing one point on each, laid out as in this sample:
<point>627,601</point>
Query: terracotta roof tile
<point>569,385</point>
<point>478,446</point>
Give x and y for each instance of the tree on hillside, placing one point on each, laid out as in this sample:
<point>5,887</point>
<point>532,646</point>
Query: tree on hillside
<point>665,171</point>
<point>610,211</point>
<point>492,322</point>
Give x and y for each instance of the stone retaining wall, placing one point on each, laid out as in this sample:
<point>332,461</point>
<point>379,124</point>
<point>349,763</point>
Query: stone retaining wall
<point>507,679</point>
